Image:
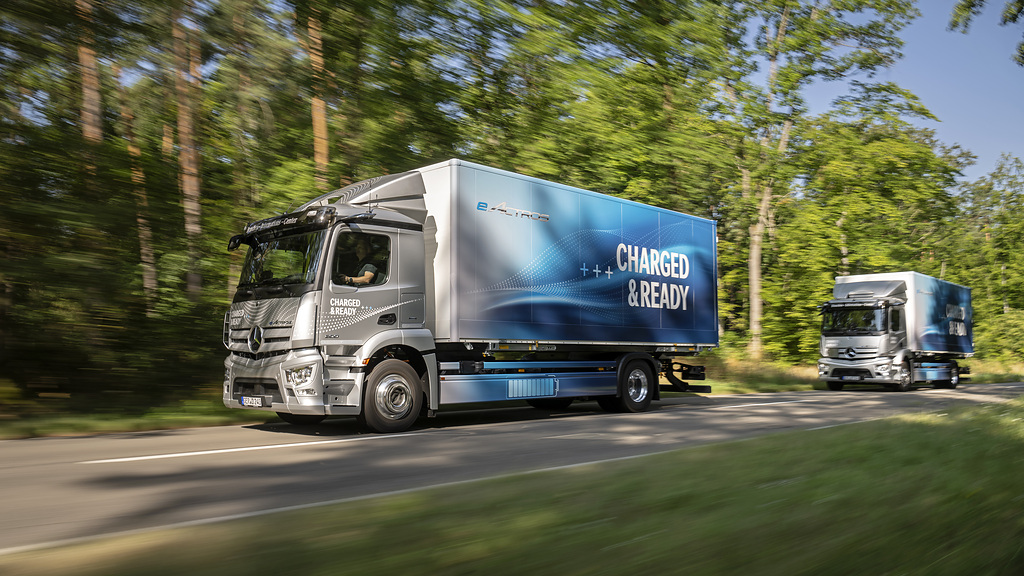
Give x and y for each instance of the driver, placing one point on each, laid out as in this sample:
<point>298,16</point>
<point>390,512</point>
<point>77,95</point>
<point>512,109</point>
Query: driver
<point>366,270</point>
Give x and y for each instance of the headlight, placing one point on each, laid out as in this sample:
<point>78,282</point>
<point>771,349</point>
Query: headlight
<point>883,368</point>
<point>822,368</point>
<point>299,376</point>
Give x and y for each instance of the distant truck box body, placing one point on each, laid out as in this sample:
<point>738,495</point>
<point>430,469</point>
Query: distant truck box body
<point>896,329</point>
<point>460,283</point>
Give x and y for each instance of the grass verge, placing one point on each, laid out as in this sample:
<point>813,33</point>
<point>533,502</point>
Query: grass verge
<point>202,411</point>
<point>922,494</point>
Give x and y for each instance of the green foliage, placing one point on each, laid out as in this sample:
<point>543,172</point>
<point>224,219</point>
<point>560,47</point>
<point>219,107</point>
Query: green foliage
<point>965,11</point>
<point>694,106</point>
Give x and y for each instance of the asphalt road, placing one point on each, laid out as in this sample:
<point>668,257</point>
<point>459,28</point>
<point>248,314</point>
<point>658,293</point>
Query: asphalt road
<point>60,489</point>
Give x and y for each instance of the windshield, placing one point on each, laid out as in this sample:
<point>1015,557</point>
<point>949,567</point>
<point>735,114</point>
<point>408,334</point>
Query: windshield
<point>285,260</point>
<point>853,321</point>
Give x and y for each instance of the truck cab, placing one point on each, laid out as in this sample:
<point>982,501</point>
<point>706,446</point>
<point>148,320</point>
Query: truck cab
<point>864,335</point>
<point>321,292</point>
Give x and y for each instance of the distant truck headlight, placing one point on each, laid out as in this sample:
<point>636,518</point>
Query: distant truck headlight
<point>822,369</point>
<point>884,368</point>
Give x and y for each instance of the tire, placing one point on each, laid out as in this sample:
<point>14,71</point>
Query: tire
<point>636,387</point>
<point>301,419</point>
<point>906,382</point>
<point>392,398</point>
<point>954,378</point>
<point>550,403</point>
<point>835,386</point>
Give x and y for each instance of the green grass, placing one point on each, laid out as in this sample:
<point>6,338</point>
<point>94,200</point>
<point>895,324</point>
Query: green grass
<point>203,411</point>
<point>928,494</point>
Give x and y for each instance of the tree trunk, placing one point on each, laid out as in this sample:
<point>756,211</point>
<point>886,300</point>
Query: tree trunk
<point>92,127</point>
<point>316,58</point>
<point>186,63</point>
<point>754,271</point>
<point>146,254</point>
<point>760,225</point>
<point>844,250</point>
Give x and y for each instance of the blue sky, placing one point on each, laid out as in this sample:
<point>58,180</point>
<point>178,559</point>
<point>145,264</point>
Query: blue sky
<point>967,80</point>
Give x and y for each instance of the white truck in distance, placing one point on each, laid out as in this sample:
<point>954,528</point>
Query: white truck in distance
<point>897,329</point>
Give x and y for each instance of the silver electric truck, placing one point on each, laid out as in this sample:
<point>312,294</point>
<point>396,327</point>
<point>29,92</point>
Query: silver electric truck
<point>460,283</point>
<point>897,329</point>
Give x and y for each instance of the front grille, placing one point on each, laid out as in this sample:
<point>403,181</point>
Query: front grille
<point>853,353</point>
<point>840,372</point>
<point>266,387</point>
<point>258,355</point>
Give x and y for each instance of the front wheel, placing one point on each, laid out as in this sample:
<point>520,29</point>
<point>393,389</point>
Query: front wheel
<point>301,419</point>
<point>392,399</point>
<point>906,382</point>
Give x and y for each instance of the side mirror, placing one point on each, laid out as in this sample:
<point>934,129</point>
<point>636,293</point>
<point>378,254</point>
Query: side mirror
<point>235,242</point>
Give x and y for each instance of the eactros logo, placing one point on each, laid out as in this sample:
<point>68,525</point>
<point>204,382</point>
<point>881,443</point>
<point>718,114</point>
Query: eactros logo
<point>514,212</point>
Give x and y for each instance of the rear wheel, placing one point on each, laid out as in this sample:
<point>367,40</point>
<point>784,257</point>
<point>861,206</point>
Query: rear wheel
<point>392,399</point>
<point>954,378</point>
<point>301,419</point>
<point>636,384</point>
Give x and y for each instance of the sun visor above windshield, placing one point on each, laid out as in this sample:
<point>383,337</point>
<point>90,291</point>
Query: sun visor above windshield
<point>872,289</point>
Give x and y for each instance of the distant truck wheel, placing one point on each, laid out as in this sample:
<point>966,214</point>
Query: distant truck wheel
<point>392,399</point>
<point>906,382</point>
<point>301,419</point>
<point>550,403</point>
<point>836,386</point>
<point>954,378</point>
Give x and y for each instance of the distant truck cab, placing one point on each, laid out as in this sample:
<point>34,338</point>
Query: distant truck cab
<point>897,329</point>
<point>459,283</point>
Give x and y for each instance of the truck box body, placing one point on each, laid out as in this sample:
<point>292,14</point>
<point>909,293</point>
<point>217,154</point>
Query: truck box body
<point>518,258</point>
<point>939,315</point>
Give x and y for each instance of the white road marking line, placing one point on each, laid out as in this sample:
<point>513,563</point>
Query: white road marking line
<point>759,404</point>
<point>243,449</point>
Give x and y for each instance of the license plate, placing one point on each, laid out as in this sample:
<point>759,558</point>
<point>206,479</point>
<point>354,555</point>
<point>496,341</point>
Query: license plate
<point>851,377</point>
<point>252,401</point>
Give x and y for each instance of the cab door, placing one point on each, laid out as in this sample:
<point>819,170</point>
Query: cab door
<point>897,329</point>
<point>352,311</point>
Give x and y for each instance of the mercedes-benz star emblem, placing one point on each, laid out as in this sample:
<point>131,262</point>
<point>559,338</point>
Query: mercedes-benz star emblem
<point>255,338</point>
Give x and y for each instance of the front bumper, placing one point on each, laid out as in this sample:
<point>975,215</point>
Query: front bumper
<point>867,370</point>
<point>264,384</point>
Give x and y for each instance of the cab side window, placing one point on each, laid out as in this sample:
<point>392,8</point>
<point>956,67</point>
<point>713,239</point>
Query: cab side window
<point>894,319</point>
<point>361,259</point>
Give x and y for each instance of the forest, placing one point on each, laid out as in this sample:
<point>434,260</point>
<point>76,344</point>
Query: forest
<point>138,136</point>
